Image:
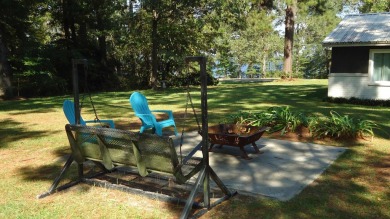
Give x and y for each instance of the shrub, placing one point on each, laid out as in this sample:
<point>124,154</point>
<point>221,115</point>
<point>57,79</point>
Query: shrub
<point>278,118</point>
<point>357,101</point>
<point>192,78</point>
<point>284,120</point>
<point>255,119</point>
<point>337,126</point>
<point>41,84</point>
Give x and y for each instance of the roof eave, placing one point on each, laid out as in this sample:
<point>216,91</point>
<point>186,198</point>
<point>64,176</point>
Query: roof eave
<point>349,44</point>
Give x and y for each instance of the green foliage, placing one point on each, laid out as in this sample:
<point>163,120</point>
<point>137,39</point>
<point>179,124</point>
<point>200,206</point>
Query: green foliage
<point>118,41</point>
<point>276,74</point>
<point>40,84</point>
<point>315,21</point>
<point>357,101</point>
<point>257,42</point>
<point>192,78</point>
<point>370,6</point>
<point>341,126</point>
<point>250,118</point>
<point>278,118</point>
<point>284,120</point>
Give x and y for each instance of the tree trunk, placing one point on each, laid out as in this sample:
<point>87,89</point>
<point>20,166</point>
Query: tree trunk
<point>154,74</point>
<point>264,68</point>
<point>102,50</point>
<point>289,38</point>
<point>102,42</point>
<point>65,21</point>
<point>5,72</point>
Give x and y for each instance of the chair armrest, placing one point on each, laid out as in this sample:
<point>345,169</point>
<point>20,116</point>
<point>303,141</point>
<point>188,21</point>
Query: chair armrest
<point>146,117</point>
<point>109,121</point>
<point>169,112</point>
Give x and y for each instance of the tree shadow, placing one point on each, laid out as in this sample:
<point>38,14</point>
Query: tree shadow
<point>33,105</point>
<point>12,131</point>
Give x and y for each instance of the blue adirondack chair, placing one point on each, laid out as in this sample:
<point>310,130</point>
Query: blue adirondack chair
<point>139,103</point>
<point>69,112</point>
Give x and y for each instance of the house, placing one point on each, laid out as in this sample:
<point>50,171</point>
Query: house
<point>360,63</point>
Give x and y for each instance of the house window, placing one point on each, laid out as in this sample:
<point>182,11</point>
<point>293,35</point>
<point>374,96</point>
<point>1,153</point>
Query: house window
<point>379,66</point>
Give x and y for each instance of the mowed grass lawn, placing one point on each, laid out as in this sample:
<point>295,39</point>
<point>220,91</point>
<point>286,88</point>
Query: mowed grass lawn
<point>32,141</point>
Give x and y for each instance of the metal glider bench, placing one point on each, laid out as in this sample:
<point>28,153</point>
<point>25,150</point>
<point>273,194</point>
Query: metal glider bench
<point>110,148</point>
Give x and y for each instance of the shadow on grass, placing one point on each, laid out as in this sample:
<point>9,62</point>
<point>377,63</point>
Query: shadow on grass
<point>49,172</point>
<point>33,105</point>
<point>12,131</point>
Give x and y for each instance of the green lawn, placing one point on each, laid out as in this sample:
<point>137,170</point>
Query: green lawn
<point>33,139</point>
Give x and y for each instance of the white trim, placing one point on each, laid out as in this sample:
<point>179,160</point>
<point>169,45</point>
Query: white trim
<point>371,67</point>
<point>382,84</point>
<point>348,75</point>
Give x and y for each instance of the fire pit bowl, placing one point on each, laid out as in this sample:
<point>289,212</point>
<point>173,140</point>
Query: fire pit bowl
<point>235,135</point>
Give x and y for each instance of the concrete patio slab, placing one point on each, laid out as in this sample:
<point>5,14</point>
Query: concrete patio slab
<point>281,171</point>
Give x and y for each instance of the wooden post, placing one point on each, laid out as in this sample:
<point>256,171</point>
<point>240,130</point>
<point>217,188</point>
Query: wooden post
<point>206,174</point>
<point>205,127</point>
<point>76,92</point>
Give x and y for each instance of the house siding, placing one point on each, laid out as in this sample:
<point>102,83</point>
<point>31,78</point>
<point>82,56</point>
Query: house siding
<point>347,85</point>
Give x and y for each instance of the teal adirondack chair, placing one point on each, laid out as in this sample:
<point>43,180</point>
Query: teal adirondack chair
<point>139,103</point>
<point>68,107</point>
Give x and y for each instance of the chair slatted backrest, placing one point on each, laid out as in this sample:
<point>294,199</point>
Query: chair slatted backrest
<point>140,105</point>
<point>68,108</point>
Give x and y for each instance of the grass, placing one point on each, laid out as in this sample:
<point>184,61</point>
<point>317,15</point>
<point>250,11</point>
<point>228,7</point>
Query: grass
<point>33,140</point>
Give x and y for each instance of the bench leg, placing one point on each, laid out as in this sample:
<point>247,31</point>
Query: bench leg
<point>57,180</point>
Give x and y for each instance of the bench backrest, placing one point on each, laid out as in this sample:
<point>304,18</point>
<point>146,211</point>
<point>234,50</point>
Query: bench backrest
<point>114,147</point>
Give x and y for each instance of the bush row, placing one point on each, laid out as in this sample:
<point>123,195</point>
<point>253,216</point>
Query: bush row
<point>282,119</point>
<point>357,101</point>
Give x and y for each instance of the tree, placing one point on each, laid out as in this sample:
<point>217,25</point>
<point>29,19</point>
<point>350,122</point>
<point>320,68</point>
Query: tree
<point>14,32</point>
<point>244,34</point>
<point>174,31</point>
<point>314,21</point>
<point>5,71</point>
<point>254,44</point>
<point>370,6</point>
<point>303,19</point>
<point>138,48</point>
<point>291,10</point>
